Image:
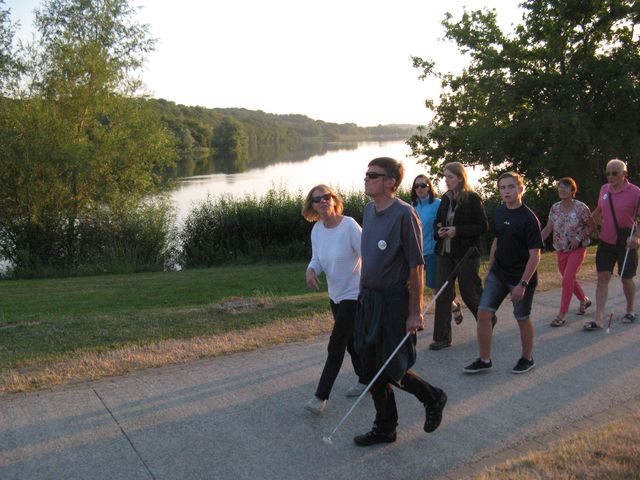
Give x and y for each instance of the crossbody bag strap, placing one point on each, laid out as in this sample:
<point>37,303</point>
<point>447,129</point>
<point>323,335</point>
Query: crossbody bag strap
<point>613,213</point>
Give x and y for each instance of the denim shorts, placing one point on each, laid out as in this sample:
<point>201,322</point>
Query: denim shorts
<point>495,291</point>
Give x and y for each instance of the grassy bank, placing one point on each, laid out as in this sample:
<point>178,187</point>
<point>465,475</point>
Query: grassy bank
<point>610,452</point>
<point>49,325</point>
<point>56,331</point>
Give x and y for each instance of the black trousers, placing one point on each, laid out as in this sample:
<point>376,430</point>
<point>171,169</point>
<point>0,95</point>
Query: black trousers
<point>470,290</point>
<point>384,398</point>
<point>341,339</point>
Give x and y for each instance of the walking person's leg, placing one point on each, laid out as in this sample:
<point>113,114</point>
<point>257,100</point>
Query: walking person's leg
<point>485,334</point>
<point>470,284</point>
<point>628,284</point>
<point>341,335</point>
<point>522,313</point>
<point>567,284</point>
<point>386,421</point>
<point>569,264</point>
<point>442,316</point>
<point>575,264</point>
<point>605,261</point>
<point>348,312</point>
<point>492,296</point>
<point>434,399</point>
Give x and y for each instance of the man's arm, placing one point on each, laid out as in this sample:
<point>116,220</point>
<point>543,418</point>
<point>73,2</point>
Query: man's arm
<point>415,320</point>
<point>530,268</point>
<point>492,254</point>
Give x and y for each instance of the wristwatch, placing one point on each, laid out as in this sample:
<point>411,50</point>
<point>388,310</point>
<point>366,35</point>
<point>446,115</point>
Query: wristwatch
<point>524,283</point>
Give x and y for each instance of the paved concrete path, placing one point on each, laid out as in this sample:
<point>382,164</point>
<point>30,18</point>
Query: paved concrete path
<point>241,416</point>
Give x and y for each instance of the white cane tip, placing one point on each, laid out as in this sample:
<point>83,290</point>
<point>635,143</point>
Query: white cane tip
<point>327,440</point>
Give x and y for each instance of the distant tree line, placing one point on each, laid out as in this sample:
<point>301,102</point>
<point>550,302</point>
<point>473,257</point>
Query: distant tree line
<point>229,140</point>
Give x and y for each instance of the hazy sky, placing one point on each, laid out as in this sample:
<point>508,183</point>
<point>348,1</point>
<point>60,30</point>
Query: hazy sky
<point>333,60</point>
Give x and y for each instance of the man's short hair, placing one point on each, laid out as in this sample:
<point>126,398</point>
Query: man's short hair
<point>516,176</point>
<point>619,164</point>
<point>392,167</point>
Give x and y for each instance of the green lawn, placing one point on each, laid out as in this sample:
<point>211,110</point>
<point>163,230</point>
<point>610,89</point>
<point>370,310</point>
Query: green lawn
<point>47,320</point>
<point>42,320</point>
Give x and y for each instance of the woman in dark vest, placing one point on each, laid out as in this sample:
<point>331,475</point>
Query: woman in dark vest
<point>460,222</point>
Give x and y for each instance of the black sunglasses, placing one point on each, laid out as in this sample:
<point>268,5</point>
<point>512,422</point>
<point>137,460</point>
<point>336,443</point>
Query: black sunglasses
<point>326,196</point>
<point>420,185</point>
<point>374,175</point>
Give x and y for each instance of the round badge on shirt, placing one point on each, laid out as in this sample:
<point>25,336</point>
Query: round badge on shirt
<point>382,245</point>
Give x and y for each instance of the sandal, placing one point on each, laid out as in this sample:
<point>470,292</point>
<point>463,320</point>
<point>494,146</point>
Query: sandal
<point>629,318</point>
<point>583,306</point>
<point>558,321</point>
<point>591,326</point>
<point>457,313</point>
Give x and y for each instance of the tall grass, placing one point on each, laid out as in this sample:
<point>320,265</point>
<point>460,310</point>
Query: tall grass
<point>224,230</point>
<point>133,238</point>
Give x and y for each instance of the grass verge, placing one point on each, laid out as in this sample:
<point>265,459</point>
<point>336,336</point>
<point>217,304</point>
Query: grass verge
<point>610,452</point>
<point>58,331</point>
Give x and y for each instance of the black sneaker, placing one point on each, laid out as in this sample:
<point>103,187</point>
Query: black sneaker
<point>478,366</point>
<point>433,414</point>
<point>523,365</point>
<point>439,344</point>
<point>374,436</point>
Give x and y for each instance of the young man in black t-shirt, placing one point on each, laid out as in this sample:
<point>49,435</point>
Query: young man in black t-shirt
<point>513,260</point>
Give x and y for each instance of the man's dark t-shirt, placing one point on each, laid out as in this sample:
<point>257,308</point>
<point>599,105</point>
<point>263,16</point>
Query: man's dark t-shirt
<point>517,231</point>
<point>391,245</point>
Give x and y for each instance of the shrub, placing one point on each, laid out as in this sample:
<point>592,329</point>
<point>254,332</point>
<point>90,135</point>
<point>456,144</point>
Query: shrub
<point>103,240</point>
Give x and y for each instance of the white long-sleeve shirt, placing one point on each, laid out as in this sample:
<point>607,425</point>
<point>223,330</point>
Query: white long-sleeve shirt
<point>336,252</point>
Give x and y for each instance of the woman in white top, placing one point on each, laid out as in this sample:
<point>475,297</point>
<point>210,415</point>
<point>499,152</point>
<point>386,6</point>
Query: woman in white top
<point>335,243</point>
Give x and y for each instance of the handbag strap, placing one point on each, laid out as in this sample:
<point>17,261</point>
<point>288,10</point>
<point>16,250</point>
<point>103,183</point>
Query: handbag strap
<point>613,212</point>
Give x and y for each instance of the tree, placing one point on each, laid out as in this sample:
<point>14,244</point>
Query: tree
<point>560,96</point>
<point>230,142</point>
<point>9,66</point>
<point>77,138</point>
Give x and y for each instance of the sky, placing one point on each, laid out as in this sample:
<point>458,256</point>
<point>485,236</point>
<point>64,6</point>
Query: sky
<point>344,61</point>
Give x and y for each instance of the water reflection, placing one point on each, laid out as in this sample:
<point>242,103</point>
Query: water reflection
<point>341,165</point>
<point>200,161</point>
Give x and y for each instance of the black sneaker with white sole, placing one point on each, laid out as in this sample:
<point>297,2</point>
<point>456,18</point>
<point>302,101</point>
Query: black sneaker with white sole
<point>478,366</point>
<point>523,365</point>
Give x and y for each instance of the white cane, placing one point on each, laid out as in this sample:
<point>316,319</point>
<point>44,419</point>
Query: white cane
<point>624,264</point>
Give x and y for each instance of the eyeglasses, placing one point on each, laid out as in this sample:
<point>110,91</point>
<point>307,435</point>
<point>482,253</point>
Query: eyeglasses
<point>326,197</point>
<point>374,175</point>
<point>612,174</point>
<point>420,185</point>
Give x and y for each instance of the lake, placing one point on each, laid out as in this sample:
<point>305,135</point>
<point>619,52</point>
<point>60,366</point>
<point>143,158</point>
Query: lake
<point>342,168</point>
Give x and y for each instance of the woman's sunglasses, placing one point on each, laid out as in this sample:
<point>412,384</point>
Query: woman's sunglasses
<point>420,185</point>
<point>326,197</point>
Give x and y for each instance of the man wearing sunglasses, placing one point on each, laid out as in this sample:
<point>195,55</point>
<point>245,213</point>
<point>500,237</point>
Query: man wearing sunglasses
<point>618,210</point>
<point>391,301</point>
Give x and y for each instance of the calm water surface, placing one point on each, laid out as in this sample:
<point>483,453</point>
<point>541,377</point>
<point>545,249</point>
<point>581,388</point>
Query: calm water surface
<point>341,168</point>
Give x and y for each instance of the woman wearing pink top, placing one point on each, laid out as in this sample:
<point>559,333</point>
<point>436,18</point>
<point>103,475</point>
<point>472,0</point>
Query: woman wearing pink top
<point>572,224</point>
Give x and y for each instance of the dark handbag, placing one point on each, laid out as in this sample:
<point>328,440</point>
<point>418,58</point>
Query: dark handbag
<point>622,234</point>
